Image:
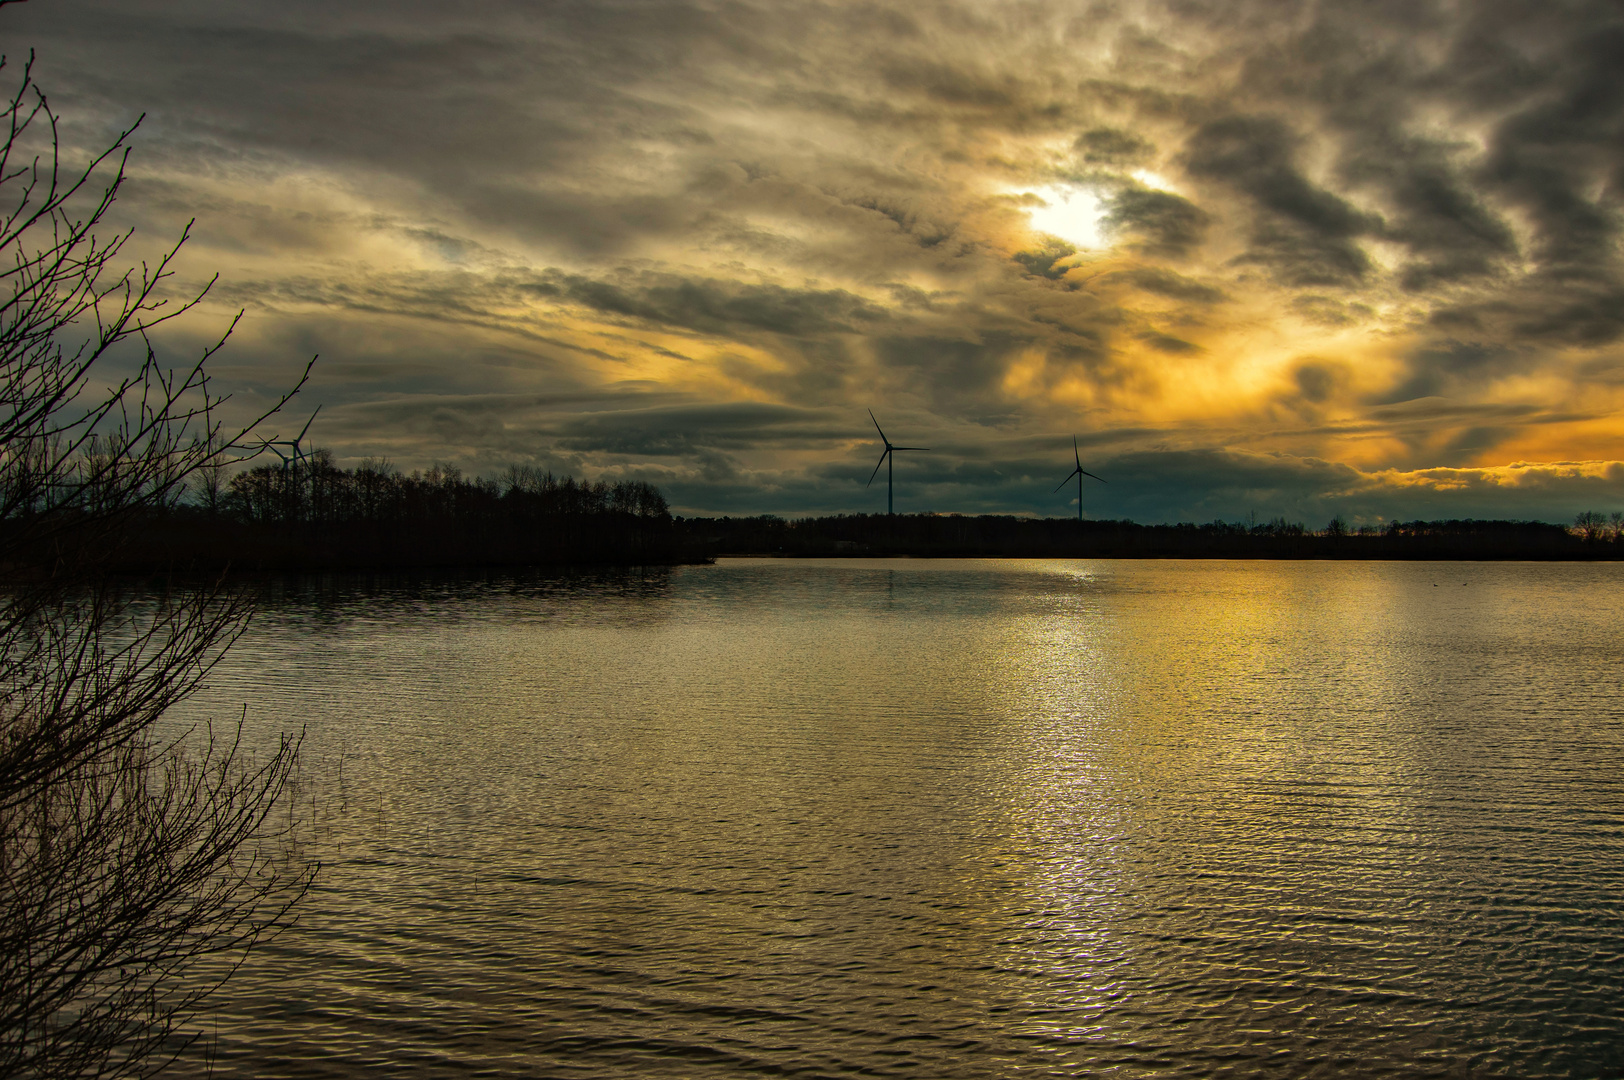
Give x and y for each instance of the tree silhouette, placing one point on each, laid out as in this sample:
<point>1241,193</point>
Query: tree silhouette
<point>135,872</point>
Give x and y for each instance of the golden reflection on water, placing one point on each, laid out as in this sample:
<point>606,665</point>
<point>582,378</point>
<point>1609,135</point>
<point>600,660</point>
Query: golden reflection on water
<point>955,819</point>
<point>1055,684</point>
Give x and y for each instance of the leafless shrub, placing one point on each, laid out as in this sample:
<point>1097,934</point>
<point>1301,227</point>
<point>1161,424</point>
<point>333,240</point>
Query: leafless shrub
<point>1593,526</point>
<point>135,873</point>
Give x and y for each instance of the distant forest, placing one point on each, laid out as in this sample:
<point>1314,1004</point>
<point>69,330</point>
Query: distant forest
<point>317,516</point>
<point>1594,537</point>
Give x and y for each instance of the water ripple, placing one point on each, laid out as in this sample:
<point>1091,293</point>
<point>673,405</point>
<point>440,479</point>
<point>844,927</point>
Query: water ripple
<point>948,819</point>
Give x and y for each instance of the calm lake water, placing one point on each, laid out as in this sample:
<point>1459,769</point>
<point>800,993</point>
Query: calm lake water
<point>946,819</point>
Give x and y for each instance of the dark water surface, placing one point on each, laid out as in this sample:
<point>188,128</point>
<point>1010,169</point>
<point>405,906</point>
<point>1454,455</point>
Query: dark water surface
<point>951,819</point>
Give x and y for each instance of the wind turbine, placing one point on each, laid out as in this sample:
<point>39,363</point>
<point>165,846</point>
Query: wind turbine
<point>295,444</point>
<point>884,458</point>
<point>1079,472</point>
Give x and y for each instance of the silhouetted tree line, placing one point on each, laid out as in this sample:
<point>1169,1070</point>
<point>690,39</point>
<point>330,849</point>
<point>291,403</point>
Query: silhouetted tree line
<point>311,514</point>
<point>1008,536</point>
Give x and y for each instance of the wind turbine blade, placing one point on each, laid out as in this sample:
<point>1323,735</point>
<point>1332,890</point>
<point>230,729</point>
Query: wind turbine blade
<point>1075,455</point>
<point>1085,472</point>
<point>1067,480</point>
<point>312,420</point>
<point>910,448</point>
<point>876,471</point>
<point>877,427</point>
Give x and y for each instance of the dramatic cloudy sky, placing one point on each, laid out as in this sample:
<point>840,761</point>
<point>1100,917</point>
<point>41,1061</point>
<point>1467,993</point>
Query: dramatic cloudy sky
<point>1257,257</point>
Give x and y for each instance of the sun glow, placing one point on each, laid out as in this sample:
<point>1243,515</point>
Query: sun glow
<point>1152,180</point>
<point>1071,213</point>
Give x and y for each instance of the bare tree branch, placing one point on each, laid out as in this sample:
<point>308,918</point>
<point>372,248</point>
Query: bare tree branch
<point>135,874</point>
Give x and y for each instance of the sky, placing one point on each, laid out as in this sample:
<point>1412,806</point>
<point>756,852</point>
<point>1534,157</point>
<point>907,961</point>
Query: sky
<point>1257,258</point>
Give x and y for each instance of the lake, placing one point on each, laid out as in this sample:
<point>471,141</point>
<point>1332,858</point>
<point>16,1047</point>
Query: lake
<point>937,819</point>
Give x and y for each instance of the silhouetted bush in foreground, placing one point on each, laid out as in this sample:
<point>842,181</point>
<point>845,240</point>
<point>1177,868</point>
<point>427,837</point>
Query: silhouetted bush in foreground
<point>138,865</point>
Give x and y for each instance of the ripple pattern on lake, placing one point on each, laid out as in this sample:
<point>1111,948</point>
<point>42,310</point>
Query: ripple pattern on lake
<point>949,819</point>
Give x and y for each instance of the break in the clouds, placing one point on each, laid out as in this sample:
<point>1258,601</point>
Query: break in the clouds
<point>1259,257</point>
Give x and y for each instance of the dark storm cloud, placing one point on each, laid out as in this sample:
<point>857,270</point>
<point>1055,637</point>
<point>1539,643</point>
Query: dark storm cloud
<point>1201,485</point>
<point>1110,146</point>
<point>1443,365</point>
<point>716,306</point>
<point>955,374</point>
<point>1206,485</point>
<point>1159,221</point>
<point>953,85</point>
<point>1316,381</point>
<point>1537,84</point>
<point>1304,233</point>
<point>415,92</point>
<point>1165,282</point>
<point>1048,261</point>
<point>1167,343</point>
<point>678,431</point>
<point>1451,231</point>
<point>1567,139</point>
<point>1329,310</point>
